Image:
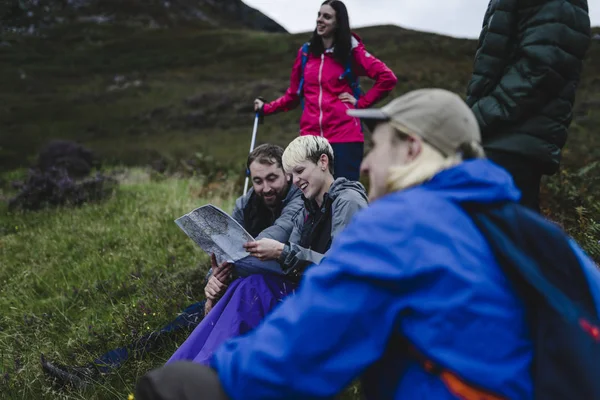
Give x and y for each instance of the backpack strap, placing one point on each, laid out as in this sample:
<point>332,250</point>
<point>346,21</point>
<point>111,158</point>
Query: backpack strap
<point>455,385</point>
<point>352,79</point>
<point>305,48</point>
<point>349,74</point>
<point>505,228</point>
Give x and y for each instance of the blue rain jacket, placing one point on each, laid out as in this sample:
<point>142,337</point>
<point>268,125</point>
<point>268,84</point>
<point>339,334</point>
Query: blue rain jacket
<point>412,265</point>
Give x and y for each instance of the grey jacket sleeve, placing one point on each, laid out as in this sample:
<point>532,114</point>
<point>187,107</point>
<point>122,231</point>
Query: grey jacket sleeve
<point>294,256</point>
<point>282,229</point>
<point>238,210</point>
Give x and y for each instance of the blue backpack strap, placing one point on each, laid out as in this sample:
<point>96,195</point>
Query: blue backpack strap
<point>352,78</point>
<point>305,47</point>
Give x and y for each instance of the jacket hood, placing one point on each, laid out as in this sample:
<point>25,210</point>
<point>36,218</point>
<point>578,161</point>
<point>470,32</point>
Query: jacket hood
<point>345,187</point>
<point>342,189</point>
<point>479,181</point>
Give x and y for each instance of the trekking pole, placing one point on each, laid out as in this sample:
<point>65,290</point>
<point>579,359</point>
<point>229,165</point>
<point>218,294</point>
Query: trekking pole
<point>251,148</point>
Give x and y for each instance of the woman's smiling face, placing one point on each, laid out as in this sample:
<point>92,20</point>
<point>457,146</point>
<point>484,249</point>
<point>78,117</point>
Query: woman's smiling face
<point>326,21</point>
<point>311,177</point>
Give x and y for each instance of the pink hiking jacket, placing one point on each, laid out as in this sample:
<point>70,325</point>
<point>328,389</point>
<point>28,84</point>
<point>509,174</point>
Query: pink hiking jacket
<point>324,113</point>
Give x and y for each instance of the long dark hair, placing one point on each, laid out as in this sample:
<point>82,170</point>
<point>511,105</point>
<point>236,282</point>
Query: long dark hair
<point>342,37</point>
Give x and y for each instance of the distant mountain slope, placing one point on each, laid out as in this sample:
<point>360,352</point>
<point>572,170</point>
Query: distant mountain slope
<point>135,94</point>
<point>31,15</point>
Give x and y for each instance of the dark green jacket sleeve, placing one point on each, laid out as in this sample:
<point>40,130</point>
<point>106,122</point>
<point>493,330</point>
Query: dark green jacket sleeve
<point>238,210</point>
<point>551,35</point>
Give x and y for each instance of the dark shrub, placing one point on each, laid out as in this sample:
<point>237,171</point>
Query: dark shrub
<point>60,178</point>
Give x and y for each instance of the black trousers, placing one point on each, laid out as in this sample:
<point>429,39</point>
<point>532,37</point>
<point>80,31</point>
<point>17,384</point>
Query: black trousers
<point>182,380</point>
<point>525,173</point>
<point>347,158</point>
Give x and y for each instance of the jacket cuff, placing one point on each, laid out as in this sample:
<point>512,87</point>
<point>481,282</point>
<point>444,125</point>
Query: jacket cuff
<point>361,103</point>
<point>267,109</point>
<point>284,254</point>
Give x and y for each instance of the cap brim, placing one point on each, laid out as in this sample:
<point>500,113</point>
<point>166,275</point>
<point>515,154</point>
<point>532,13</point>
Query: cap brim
<point>370,117</point>
<point>369,113</point>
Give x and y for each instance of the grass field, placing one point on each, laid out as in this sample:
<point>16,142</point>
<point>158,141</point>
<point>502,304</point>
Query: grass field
<point>75,283</point>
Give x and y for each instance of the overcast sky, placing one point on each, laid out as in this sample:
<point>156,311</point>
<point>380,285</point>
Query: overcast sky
<point>459,18</point>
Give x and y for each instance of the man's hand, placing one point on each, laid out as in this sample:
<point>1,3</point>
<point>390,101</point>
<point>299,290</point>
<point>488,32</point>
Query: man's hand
<point>214,289</point>
<point>219,280</point>
<point>222,272</point>
<point>265,249</point>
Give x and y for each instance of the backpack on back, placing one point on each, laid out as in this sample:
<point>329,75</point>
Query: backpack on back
<point>536,255</point>
<point>538,259</point>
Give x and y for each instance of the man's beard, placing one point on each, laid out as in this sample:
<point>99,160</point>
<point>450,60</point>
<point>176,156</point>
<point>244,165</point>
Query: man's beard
<point>277,198</point>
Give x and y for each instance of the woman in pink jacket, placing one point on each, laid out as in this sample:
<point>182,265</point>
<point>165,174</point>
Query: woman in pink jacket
<point>326,94</point>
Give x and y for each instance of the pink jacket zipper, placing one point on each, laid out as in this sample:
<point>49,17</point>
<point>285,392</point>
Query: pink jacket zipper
<point>321,94</point>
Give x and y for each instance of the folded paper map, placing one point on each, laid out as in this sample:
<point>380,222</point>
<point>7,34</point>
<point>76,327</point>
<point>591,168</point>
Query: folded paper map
<point>214,231</point>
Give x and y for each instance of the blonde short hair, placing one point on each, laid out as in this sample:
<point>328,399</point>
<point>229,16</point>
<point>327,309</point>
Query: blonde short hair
<point>305,148</point>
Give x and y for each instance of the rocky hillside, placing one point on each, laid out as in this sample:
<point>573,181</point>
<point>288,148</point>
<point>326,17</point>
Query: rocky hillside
<point>29,16</point>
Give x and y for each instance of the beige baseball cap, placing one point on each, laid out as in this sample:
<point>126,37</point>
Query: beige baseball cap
<point>439,117</point>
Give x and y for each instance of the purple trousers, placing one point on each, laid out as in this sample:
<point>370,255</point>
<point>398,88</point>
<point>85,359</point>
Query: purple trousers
<point>243,306</point>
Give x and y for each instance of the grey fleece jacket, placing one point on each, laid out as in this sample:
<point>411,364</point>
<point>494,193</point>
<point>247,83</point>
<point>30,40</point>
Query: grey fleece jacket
<point>282,228</point>
<point>348,197</point>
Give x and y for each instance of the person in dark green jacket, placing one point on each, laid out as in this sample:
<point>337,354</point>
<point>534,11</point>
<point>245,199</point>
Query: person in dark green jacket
<point>527,67</point>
